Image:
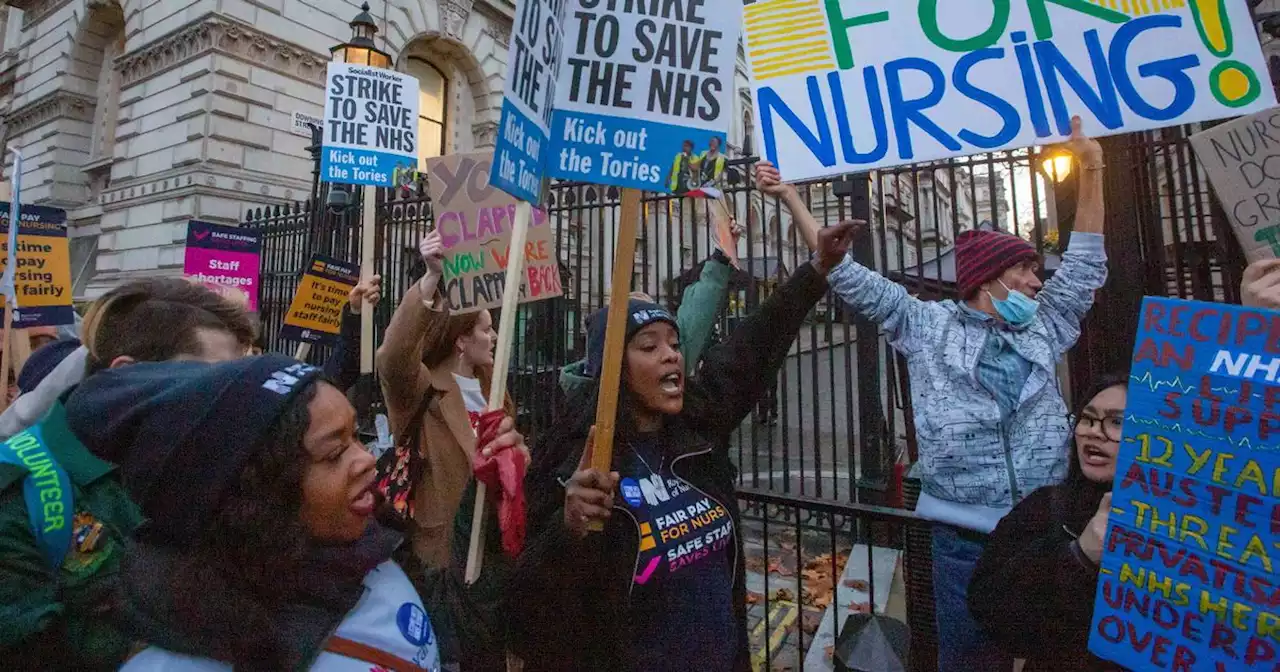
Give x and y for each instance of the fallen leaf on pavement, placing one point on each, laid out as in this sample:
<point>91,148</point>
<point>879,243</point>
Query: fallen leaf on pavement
<point>754,598</point>
<point>755,563</point>
<point>830,650</point>
<point>776,567</point>
<point>809,622</point>
<point>784,595</point>
<point>856,584</point>
<point>860,607</point>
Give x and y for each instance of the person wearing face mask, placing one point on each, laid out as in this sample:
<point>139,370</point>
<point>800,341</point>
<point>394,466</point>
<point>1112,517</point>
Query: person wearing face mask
<point>662,586</point>
<point>990,419</point>
<point>1033,590</point>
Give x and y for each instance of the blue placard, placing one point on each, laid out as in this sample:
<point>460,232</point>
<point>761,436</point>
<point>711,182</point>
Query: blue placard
<point>529,94</point>
<point>631,153</point>
<point>1189,563</point>
<point>370,134</point>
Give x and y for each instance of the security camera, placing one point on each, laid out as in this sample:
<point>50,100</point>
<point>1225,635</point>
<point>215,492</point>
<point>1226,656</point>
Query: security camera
<point>339,199</point>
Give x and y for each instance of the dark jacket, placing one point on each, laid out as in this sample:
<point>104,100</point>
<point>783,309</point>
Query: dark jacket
<point>62,618</point>
<point>569,598</point>
<point>343,365</point>
<point>1033,589</point>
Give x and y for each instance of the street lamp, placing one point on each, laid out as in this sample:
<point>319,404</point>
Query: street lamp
<point>1057,166</point>
<point>360,49</point>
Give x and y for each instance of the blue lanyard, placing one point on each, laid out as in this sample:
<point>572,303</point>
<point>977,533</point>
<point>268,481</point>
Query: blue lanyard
<point>47,490</point>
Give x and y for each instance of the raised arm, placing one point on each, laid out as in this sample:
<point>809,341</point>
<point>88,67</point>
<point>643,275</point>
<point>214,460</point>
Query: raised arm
<point>868,293</point>
<point>700,307</point>
<point>399,361</point>
<point>343,365</point>
<point>736,373</point>
<point>1068,295</point>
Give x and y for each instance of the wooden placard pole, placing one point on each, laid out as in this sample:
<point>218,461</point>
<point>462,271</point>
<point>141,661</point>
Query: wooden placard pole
<point>303,350</point>
<point>624,259</point>
<point>501,364</point>
<point>5,357</point>
<point>21,340</point>
<point>368,217</point>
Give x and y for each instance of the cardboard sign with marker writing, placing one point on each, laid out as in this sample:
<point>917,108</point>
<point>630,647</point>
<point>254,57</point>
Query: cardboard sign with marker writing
<point>1242,160</point>
<point>315,315</point>
<point>474,219</point>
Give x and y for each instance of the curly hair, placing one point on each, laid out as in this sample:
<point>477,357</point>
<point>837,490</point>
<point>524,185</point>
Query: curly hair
<point>249,555</point>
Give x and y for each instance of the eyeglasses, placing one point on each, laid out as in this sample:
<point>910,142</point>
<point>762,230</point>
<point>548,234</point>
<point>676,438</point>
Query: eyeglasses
<point>1112,426</point>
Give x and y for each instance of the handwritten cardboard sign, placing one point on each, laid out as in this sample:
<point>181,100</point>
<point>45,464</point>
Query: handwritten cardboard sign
<point>1189,565</point>
<point>474,219</point>
<point>1242,160</point>
<point>844,86</point>
<point>224,258</point>
<point>315,314</point>
<point>43,278</point>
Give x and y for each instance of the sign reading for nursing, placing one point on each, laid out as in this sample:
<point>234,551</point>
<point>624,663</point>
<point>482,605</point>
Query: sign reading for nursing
<point>370,125</point>
<point>43,278</point>
<point>644,84</point>
<point>1189,564</point>
<point>529,97</point>
<point>849,85</point>
<point>315,314</point>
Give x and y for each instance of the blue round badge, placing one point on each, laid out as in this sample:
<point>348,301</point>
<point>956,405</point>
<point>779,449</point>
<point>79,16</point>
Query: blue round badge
<point>414,624</point>
<point>631,491</point>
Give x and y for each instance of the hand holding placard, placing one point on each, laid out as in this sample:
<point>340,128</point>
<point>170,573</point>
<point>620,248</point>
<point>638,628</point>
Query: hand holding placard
<point>1091,538</point>
<point>368,291</point>
<point>432,250</point>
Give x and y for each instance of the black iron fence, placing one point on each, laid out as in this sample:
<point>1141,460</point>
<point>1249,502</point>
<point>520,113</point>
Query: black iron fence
<point>828,444</point>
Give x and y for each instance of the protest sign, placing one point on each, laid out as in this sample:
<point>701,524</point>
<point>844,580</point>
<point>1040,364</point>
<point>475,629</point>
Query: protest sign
<point>845,86</point>
<point>1242,160</point>
<point>475,221</point>
<point>1188,575</point>
<point>370,125</point>
<point>641,81</point>
<point>43,277</point>
<point>222,257</point>
<point>528,97</point>
<point>315,314</point>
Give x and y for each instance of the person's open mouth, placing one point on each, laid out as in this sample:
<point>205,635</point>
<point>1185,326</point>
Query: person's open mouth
<point>1095,457</point>
<point>365,502</point>
<point>672,383</point>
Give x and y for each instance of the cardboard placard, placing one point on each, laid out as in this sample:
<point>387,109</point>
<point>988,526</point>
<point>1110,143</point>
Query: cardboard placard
<point>1242,161</point>
<point>474,219</point>
<point>43,278</point>
<point>844,86</point>
<point>370,125</point>
<point>1188,575</point>
<point>315,314</point>
<point>224,258</point>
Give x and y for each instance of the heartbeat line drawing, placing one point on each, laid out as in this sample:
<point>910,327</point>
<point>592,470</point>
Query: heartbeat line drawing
<point>1242,442</point>
<point>1155,385</point>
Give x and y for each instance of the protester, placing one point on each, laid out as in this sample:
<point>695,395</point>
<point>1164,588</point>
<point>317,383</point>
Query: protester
<point>990,419</point>
<point>638,596</point>
<point>343,365</point>
<point>711,164</point>
<point>56,591</point>
<point>435,371</point>
<point>259,551</point>
<point>1033,590</point>
<point>43,361</point>
<point>700,307</point>
<point>684,169</point>
<point>1260,287</point>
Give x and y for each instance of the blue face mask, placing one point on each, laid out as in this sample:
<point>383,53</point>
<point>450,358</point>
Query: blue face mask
<point>1017,309</point>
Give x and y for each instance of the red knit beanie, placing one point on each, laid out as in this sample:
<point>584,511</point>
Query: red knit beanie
<point>982,256</point>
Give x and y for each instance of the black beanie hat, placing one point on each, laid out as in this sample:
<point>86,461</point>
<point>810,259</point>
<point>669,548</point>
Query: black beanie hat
<point>182,432</point>
<point>640,314</point>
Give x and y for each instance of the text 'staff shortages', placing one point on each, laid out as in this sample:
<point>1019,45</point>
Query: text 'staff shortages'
<point>638,82</point>
<point>43,277</point>
<point>224,258</point>
<point>1188,576</point>
<point>315,314</point>
<point>370,125</point>
<point>844,87</point>
<point>533,66</point>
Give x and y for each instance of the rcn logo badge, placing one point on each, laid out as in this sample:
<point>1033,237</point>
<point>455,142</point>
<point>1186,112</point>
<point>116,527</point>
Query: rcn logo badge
<point>631,492</point>
<point>414,624</point>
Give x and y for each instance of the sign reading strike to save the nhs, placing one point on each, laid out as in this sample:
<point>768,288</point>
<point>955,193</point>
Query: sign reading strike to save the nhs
<point>370,125</point>
<point>642,90</point>
<point>529,97</point>
<point>848,85</point>
<point>1188,579</point>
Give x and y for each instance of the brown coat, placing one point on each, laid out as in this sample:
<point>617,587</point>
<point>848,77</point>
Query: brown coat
<point>447,440</point>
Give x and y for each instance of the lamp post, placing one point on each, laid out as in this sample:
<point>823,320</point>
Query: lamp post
<point>361,50</point>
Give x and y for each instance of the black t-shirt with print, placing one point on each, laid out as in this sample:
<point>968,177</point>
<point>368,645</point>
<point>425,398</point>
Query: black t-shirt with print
<point>682,592</point>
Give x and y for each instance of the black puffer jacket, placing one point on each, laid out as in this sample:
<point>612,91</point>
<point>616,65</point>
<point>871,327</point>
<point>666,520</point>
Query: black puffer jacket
<point>570,597</point>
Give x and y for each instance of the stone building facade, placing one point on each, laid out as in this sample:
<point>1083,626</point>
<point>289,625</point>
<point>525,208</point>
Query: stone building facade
<point>138,115</point>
